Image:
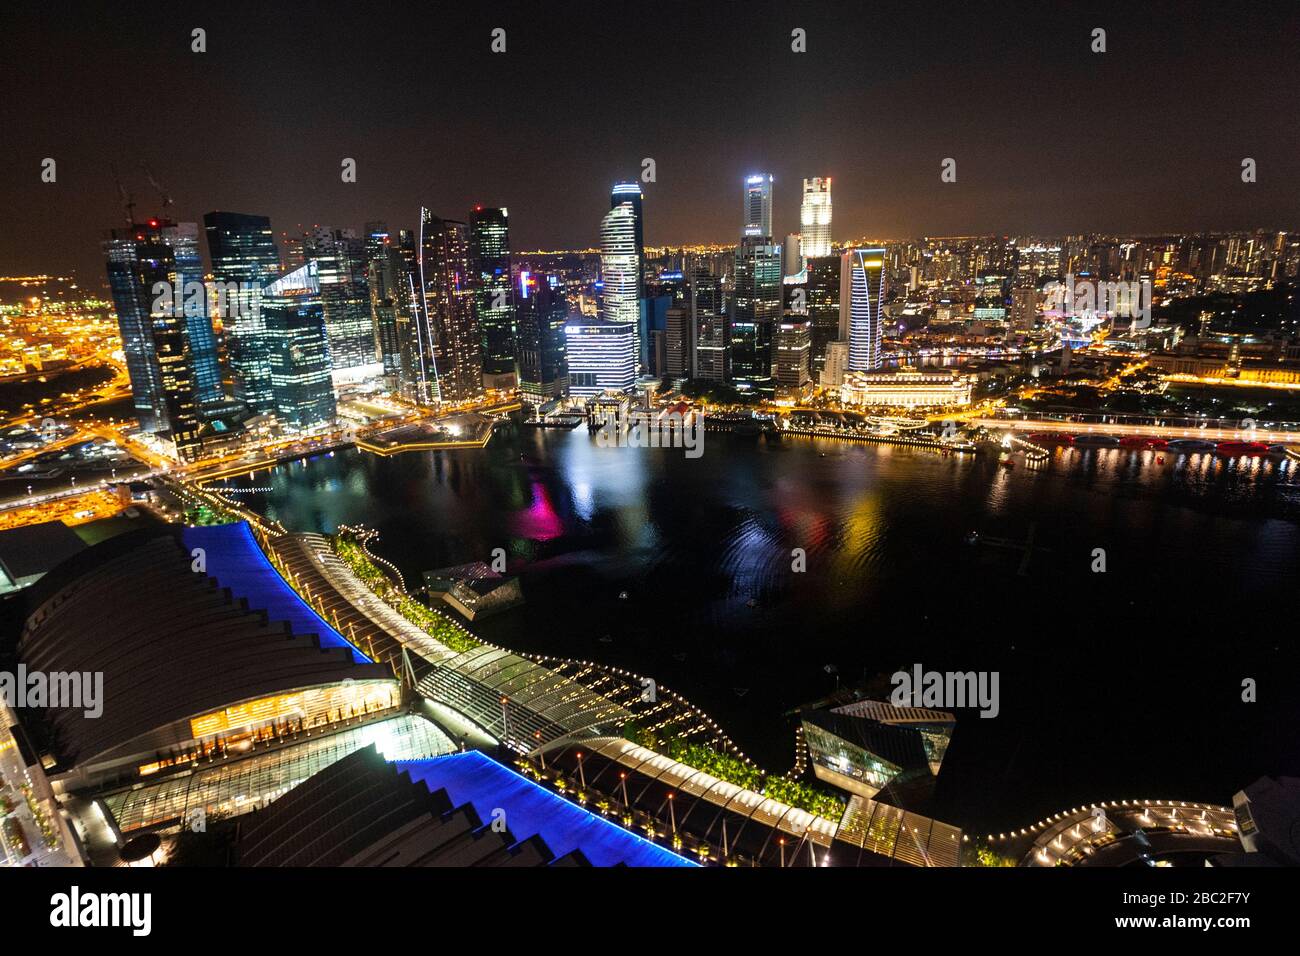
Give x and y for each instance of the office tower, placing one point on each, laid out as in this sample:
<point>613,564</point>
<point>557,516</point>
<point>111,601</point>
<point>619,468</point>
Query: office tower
<point>620,266</point>
<point>754,314</point>
<point>822,298</point>
<point>862,290</point>
<point>679,343</point>
<point>298,349</point>
<point>815,217</point>
<point>493,295</point>
<point>835,365</point>
<point>629,193</point>
<point>1024,309</point>
<point>758,206</point>
<point>183,237</point>
<point>449,344</point>
<point>542,309</point>
<point>602,356</point>
<point>341,272</point>
<point>709,325</point>
<point>389,299</point>
<point>792,261</point>
<point>143,274</point>
<point>793,344</point>
<point>245,260</point>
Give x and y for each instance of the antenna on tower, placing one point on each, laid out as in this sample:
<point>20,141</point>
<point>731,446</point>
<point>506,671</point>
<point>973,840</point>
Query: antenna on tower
<point>162,193</point>
<point>128,203</point>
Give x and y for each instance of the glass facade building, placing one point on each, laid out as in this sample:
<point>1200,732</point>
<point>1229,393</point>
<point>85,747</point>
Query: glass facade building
<point>340,260</point>
<point>449,346</point>
<point>602,357</point>
<point>755,313</point>
<point>299,350</point>
<point>543,309</point>
<point>862,291</point>
<point>493,293</point>
<point>758,206</point>
<point>145,278</point>
<point>245,260</point>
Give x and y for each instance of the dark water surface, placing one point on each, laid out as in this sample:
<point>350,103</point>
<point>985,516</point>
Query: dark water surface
<point>1117,685</point>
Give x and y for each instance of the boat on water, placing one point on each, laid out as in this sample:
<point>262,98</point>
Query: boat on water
<point>1088,440</point>
<point>1190,444</point>
<point>1052,438</point>
<point>1143,441</point>
<point>1238,449</point>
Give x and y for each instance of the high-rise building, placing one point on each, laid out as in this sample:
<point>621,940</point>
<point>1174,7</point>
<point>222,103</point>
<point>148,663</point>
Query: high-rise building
<point>709,325</point>
<point>299,351</point>
<point>183,237</point>
<point>1024,308</point>
<point>144,278</point>
<point>493,294</point>
<point>620,265</point>
<point>815,217</point>
<point>449,344</point>
<point>822,298</point>
<point>758,206</point>
<point>679,343</point>
<point>793,344</point>
<point>754,313</point>
<point>542,309</point>
<point>388,284</point>
<point>341,271</point>
<point>836,364</point>
<point>245,259</point>
<point>862,291</point>
<point>602,356</point>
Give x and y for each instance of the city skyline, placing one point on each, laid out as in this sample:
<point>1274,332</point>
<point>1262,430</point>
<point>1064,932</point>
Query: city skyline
<point>1034,154</point>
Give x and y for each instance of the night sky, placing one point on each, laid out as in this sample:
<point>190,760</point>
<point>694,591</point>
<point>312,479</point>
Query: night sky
<point>1048,136</point>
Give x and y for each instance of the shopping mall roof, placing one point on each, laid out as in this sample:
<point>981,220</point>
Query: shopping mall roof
<point>171,642</point>
<point>458,810</point>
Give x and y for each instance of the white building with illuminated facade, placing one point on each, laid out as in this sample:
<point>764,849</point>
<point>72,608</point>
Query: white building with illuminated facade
<point>907,388</point>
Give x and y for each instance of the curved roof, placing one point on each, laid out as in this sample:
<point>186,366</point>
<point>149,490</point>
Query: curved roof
<point>170,642</point>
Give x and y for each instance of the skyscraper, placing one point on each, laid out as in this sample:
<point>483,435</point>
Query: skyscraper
<point>493,295</point>
<point>389,298</point>
<point>822,299</point>
<point>144,278</point>
<point>298,350</point>
<point>542,308</point>
<point>793,343</point>
<point>862,290</point>
<point>602,356</point>
<point>709,321</point>
<point>183,237</point>
<point>754,314</point>
<point>758,206</point>
<point>450,347</point>
<point>815,217</point>
<point>679,343</point>
<point>630,193</point>
<point>341,272</point>
<point>620,266</point>
<point>245,259</point>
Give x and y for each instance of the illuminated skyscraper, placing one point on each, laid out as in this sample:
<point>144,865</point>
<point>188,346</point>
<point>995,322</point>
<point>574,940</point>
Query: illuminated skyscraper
<point>243,252</point>
<point>708,317</point>
<point>493,296</point>
<point>793,343</point>
<point>341,271</point>
<point>299,350</point>
<point>862,290</point>
<point>758,206</point>
<point>822,298</point>
<point>542,308</point>
<point>602,356</point>
<point>754,314</point>
<point>157,340</point>
<point>449,345</point>
<point>620,265</point>
<point>389,298</point>
<point>815,217</point>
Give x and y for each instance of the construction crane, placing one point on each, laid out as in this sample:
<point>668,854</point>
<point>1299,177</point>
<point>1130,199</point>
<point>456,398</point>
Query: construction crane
<point>128,203</point>
<point>162,193</point>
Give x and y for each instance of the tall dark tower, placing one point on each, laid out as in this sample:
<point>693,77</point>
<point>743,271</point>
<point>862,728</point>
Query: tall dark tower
<point>448,339</point>
<point>245,260</point>
<point>493,295</point>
